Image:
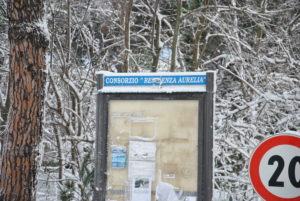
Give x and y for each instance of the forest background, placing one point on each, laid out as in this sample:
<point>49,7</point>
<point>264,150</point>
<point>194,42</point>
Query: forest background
<point>253,44</point>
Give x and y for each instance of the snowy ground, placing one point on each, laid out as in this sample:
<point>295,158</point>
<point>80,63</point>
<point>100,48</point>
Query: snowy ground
<point>47,189</point>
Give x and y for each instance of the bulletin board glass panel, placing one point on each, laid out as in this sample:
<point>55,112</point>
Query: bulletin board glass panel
<point>152,150</point>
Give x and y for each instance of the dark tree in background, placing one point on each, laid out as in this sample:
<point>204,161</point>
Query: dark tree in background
<point>28,44</point>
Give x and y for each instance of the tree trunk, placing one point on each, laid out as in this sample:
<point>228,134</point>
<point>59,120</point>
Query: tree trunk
<point>155,34</point>
<point>27,79</point>
<point>176,36</point>
<point>198,49</point>
<point>127,50</point>
<point>69,35</point>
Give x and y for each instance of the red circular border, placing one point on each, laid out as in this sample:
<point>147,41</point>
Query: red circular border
<point>256,158</point>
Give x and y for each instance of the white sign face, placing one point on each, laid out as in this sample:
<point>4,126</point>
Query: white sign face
<point>279,159</point>
<point>275,168</point>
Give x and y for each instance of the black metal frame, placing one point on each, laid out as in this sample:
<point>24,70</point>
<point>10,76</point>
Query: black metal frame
<point>205,134</point>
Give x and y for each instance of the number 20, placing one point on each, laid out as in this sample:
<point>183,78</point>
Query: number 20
<point>291,171</point>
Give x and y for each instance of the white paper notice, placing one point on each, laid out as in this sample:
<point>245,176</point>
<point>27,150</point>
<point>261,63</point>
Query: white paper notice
<point>141,169</point>
<point>169,176</point>
<point>142,150</point>
<point>141,189</point>
<point>141,160</point>
<point>191,198</point>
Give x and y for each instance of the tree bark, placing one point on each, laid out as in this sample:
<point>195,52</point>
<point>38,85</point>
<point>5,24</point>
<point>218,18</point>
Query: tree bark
<point>156,37</point>
<point>155,34</point>
<point>129,5</point>
<point>28,44</point>
<point>197,48</point>
<point>69,37</point>
<point>176,36</point>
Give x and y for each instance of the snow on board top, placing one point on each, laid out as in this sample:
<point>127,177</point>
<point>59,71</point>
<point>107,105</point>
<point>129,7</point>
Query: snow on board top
<point>152,82</point>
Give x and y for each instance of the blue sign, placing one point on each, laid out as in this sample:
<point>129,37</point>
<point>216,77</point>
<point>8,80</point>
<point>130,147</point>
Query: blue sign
<point>118,157</point>
<point>154,80</point>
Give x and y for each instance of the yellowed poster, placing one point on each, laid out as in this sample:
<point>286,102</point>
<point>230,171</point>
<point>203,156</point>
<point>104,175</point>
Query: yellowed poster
<point>161,139</point>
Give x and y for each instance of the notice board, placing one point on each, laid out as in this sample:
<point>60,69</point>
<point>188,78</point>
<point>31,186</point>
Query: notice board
<point>154,137</point>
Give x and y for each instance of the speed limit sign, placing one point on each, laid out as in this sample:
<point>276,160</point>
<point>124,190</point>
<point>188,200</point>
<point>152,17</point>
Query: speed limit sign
<point>275,168</point>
